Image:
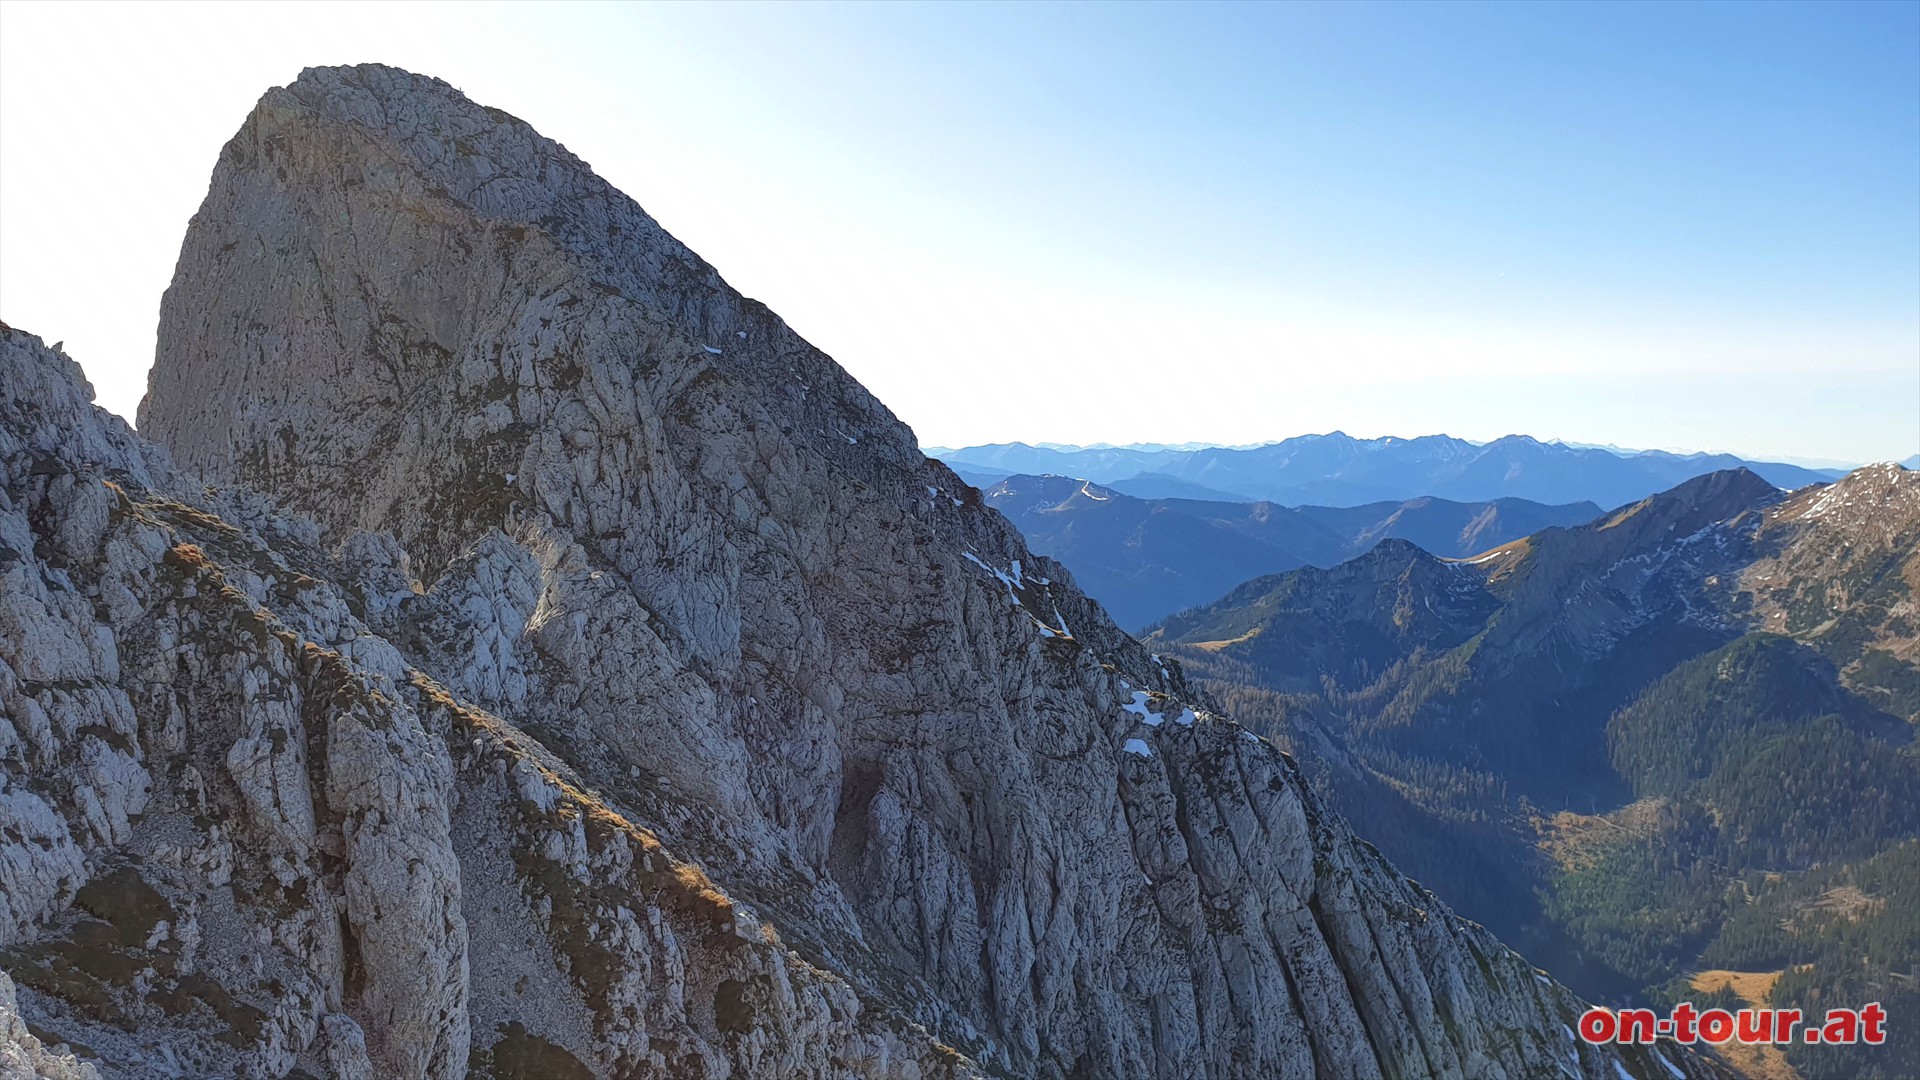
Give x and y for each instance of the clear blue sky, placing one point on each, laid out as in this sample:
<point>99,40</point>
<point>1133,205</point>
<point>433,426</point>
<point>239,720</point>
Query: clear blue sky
<point>1677,225</point>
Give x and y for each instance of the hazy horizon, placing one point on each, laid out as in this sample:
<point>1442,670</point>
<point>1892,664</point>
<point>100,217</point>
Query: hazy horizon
<point>937,449</point>
<point>1637,225</point>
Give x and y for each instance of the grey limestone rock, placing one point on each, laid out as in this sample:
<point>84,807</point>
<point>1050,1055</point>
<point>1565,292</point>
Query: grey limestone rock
<point>23,1056</point>
<point>247,835</point>
<point>573,672</point>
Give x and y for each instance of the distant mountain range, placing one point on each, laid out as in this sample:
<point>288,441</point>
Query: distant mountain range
<point>1145,559</point>
<point>1676,739</point>
<point>1340,470</point>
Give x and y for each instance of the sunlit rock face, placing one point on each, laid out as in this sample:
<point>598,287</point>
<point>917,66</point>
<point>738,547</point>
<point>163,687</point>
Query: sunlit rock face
<point>601,683</point>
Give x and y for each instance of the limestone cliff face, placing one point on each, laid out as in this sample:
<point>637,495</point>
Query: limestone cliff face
<point>242,834</point>
<point>613,689</point>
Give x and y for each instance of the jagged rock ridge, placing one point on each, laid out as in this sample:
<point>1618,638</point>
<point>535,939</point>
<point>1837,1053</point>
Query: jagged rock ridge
<point>586,559</point>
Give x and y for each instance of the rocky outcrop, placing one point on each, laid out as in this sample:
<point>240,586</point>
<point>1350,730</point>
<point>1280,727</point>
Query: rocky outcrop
<point>246,836</point>
<point>1838,566</point>
<point>615,689</point>
<point>23,1056</point>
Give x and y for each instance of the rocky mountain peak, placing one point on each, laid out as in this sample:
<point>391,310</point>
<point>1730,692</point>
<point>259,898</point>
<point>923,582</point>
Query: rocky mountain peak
<point>611,688</point>
<point>474,329</point>
<point>1714,496</point>
<point>1396,549</point>
<point>1887,492</point>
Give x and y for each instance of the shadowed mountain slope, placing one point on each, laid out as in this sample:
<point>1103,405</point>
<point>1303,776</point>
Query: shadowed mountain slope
<point>1146,559</point>
<point>1609,742</point>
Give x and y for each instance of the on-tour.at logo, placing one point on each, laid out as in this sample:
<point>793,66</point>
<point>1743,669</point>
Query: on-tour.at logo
<point>1866,1024</point>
